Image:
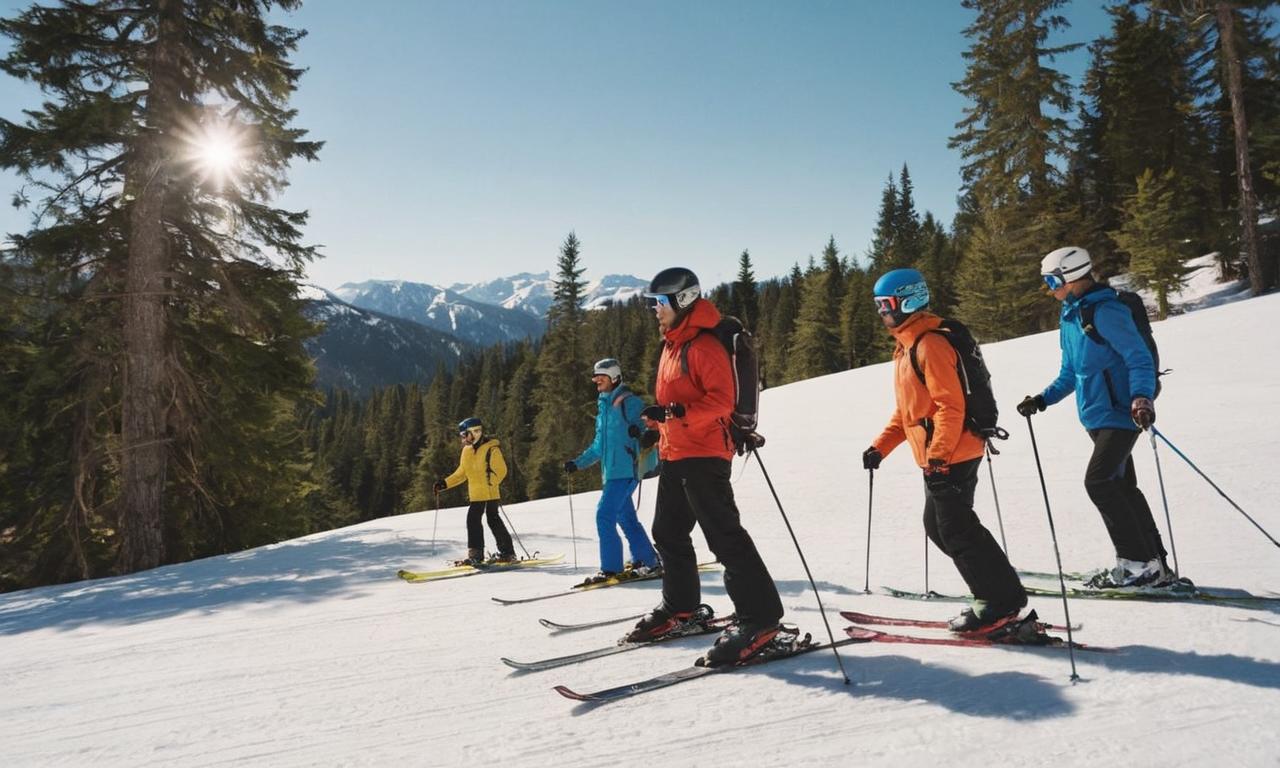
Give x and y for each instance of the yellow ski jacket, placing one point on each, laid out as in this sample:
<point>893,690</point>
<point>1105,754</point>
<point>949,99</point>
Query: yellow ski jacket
<point>483,467</point>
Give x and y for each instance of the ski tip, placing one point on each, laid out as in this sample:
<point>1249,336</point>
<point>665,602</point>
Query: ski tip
<point>548,624</point>
<point>861,633</point>
<point>569,693</point>
<point>514,664</point>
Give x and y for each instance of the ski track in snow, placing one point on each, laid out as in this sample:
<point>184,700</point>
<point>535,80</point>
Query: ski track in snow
<point>312,652</point>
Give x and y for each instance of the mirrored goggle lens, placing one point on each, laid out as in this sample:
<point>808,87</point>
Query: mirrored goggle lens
<point>1054,281</point>
<point>664,300</point>
<point>886,304</point>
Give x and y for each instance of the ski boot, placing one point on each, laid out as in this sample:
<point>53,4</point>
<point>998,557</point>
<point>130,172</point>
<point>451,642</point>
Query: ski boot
<point>661,622</point>
<point>983,617</point>
<point>740,642</point>
<point>474,558</point>
<point>599,578</point>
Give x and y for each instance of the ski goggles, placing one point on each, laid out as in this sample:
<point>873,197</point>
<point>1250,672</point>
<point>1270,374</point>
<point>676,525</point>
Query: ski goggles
<point>658,299</point>
<point>887,304</point>
<point>1054,279</point>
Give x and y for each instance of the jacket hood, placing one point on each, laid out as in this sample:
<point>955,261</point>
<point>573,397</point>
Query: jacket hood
<point>701,316</point>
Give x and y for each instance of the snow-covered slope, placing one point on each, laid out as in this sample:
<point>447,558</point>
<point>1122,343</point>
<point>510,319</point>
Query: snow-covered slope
<point>311,652</point>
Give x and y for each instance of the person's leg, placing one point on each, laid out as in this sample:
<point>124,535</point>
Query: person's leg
<point>1107,485</point>
<point>475,528</point>
<point>612,497</point>
<point>501,537</point>
<point>746,578</point>
<point>673,521</point>
<point>977,556</point>
<point>637,540</point>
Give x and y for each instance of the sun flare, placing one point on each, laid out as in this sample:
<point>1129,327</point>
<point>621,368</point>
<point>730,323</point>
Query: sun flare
<point>217,152</point>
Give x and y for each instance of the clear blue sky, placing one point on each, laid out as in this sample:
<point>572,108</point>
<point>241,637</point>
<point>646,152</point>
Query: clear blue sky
<point>466,139</point>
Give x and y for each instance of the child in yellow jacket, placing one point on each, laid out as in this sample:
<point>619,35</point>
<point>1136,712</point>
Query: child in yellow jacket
<point>482,466</point>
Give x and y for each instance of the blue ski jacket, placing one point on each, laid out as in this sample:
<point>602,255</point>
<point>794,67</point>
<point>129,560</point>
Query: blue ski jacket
<point>616,412</point>
<point>1105,376</point>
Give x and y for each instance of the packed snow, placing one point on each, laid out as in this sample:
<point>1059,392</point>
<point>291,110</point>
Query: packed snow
<point>312,652</point>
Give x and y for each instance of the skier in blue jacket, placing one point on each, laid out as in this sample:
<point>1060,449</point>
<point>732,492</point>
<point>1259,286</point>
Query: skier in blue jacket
<point>618,451</point>
<point>1113,375</point>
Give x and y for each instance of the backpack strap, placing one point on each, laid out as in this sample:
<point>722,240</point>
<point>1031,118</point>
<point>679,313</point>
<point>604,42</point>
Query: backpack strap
<point>915,362</point>
<point>488,466</point>
<point>1086,323</point>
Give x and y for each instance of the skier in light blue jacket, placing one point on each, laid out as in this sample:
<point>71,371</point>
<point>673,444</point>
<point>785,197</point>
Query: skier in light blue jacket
<point>618,451</point>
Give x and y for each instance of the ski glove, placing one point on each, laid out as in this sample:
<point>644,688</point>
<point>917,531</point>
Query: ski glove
<point>1143,412</point>
<point>439,486</point>
<point>871,459</point>
<point>569,466</point>
<point>634,432</point>
<point>649,438</point>
<point>659,413</point>
<point>936,467</point>
<point>1031,404</point>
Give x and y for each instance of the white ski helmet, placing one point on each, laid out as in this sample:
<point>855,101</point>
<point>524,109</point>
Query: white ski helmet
<point>608,367</point>
<point>1065,265</point>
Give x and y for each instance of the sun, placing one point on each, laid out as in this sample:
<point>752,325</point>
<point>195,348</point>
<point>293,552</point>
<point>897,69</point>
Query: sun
<point>217,152</point>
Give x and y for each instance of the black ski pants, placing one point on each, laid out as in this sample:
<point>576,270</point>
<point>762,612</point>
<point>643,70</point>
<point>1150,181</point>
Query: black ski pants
<point>475,531</point>
<point>698,491</point>
<point>1113,488</point>
<point>951,524</point>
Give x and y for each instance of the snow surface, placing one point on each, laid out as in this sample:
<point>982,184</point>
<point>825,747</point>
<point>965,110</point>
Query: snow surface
<point>312,652</point>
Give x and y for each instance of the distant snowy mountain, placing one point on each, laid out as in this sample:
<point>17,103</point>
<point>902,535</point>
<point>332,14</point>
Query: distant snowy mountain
<point>533,292</point>
<point>443,309</point>
<point>362,350</point>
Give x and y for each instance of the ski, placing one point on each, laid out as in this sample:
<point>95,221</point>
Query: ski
<point>471,570</point>
<point>1181,590</point>
<point>1243,600</point>
<point>890,621</point>
<point>704,626</point>
<point>877,636</point>
<point>576,588</point>
<point>555,626</point>
<point>798,648</point>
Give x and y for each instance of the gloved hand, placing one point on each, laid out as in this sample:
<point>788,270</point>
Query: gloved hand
<point>655,413</point>
<point>634,431</point>
<point>1143,412</point>
<point>936,468</point>
<point>439,486</point>
<point>649,438</point>
<point>871,459</point>
<point>569,466</point>
<point>1030,405</point>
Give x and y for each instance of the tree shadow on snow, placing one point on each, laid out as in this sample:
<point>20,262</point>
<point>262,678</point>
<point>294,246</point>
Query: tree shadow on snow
<point>299,571</point>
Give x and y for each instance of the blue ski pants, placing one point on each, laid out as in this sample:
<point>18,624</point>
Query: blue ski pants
<point>615,511</point>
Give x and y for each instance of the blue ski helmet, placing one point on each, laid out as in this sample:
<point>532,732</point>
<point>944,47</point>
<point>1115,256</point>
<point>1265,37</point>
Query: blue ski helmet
<point>900,292</point>
<point>472,425</point>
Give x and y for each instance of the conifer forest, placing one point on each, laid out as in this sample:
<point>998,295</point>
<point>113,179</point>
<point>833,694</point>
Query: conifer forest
<point>158,404</point>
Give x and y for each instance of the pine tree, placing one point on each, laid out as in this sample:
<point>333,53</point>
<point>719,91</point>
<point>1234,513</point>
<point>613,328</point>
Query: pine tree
<point>746,305</point>
<point>1152,233</point>
<point>564,394</point>
<point>883,245</point>
<point>1011,143</point>
<point>814,349</point>
<point>184,278</point>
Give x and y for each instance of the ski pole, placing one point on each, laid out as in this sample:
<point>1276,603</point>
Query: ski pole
<point>1053,534</point>
<point>821,611</point>
<point>1168,521</point>
<point>928,592</point>
<point>1183,456</point>
<point>573,526</point>
<point>999,518</point>
<point>434,523</point>
<point>871,484</point>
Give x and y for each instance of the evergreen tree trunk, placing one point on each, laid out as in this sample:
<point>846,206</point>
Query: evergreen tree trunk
<point>1225,13</point>
<point>143,427</point>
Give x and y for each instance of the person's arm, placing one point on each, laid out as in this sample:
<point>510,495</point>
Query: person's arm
<point>591,454</point>
<point>1115,325</point>
<point>458,474</point>
<point>1065,384</point>
<point>712,374</point>
<point>498,465</point>
<point>938,360</point>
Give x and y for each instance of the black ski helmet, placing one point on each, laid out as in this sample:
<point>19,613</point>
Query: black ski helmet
<point>678,284</point>
<point>469,424</point>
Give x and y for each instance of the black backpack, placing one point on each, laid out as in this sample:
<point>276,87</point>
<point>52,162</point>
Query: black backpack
<point>980,411</point>
<point>1138,310</point>
<point>744,361</point>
